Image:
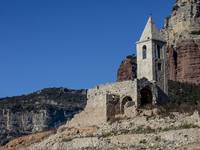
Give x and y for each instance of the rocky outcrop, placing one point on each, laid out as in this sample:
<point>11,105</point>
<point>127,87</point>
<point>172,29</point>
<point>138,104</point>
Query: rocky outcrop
<point>140,132</point>
<point>81,131</point>
<point>127,69</point>
<point>31,122</point>
<point>182,33</point>
<point>183,22</point>
<point>184,61</point>
<point>14,144</point>
<point>38,111</point>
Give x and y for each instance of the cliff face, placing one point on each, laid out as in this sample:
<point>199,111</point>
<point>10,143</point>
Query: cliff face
<point>14,124</point>
<point>184,61</point>
<point>183,22</point>
<point>38,111</point>
<point>182,33</point>
<point>127,69</point>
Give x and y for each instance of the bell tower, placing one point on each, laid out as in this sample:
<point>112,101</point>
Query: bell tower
<point>151,58</point>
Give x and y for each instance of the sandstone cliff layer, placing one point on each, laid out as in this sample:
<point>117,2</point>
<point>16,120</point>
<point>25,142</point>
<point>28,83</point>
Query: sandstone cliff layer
<point>184,61</point>
<point>182,33</point>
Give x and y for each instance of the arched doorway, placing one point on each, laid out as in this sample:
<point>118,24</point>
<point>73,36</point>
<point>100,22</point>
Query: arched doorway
<point>145,96</point>
<point>124,101</point>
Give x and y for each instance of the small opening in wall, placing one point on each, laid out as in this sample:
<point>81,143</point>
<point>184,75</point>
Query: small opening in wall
<point>144,52</point>
<point>97,87</point>
<point>159,66</point>
<point>158,51</point>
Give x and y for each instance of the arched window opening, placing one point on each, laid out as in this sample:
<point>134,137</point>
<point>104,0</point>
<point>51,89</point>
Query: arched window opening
<point>144,52</point>
<point>159,66</point>
<point>126,101</point>
<point>145,96</point>
<point>158,51</point>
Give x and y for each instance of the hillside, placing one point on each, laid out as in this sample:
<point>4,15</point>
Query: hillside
<point>39,111</point>
<point>159,128</point>
<point>174,126</point>
<point>149,129</point>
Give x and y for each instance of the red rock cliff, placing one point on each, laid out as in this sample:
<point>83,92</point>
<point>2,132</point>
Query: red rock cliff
<point>182,33</point>
<point>184,62</point>
<point>127,69</point>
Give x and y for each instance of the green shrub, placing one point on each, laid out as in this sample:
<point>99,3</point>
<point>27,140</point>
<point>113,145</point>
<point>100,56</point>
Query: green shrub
<point>143,141</point>
<point>67,140</point>
<point>184,97</point>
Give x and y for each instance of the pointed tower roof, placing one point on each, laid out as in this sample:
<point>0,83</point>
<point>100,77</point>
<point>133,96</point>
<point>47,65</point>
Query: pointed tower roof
<point>151,32</point>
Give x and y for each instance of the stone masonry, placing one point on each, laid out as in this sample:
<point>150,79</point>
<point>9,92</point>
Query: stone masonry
<point>112,100</point>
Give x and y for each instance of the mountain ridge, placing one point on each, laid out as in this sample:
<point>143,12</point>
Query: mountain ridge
<point>38,111</point>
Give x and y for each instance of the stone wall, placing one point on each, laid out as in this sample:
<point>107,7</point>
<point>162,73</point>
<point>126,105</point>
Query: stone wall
<point>145,66</point>
<point>119,88</point>
<point>93,114</point>
<point>104,102</point>
<point>115,100</point>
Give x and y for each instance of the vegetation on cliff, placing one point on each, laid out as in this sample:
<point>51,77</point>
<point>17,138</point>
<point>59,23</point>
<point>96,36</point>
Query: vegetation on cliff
<point>183,93</point>
<point>183,97</point>
<point>56,104</point>
<point>47,98</point>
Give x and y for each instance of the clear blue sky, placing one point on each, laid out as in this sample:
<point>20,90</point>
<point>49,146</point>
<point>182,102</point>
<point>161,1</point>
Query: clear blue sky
<point>76,44</point>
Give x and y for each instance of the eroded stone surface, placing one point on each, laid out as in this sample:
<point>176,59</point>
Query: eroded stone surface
<point>184,62</point>
<point>123,134</point>
<point>181,31</point>
<point>25,139</point>
<point>127,70</point>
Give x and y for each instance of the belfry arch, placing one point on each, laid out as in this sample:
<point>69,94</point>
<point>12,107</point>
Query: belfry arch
<point>144,52</point>
<point>146,96</point>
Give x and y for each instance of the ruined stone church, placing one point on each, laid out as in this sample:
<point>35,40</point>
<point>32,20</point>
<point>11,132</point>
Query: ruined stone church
<point>122,98</point>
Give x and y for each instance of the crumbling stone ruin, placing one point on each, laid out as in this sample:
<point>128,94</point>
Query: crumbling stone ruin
<point>122,98</point>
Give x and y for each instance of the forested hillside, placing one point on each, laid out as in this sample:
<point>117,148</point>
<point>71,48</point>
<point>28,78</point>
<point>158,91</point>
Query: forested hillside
<point>184,93</point>
<point>183,97</point>
<point>61,97</point>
